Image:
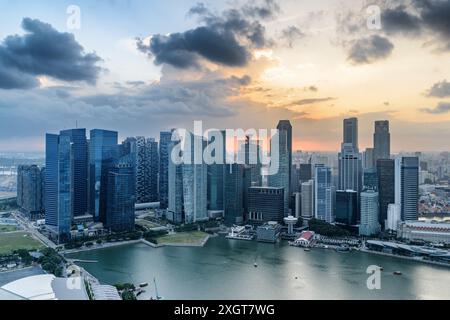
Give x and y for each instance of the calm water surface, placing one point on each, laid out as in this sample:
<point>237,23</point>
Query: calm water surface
<point>224,269</point>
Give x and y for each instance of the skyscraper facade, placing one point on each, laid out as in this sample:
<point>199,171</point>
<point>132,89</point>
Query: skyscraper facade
<point>323,204</point>
<point>346,207</point>
<point>308,199</point>
<point>103,151</point>
<point>305,173</point>
<point>234,194</point>
<point>175,210</point>
<point>382,141</point>
<point>146,170</point>
<point>351,133</point>
<point>369,214</point>
<point>216,176</point>
<point>410,188</point>
<point>265,204</point>
<point>29,191</point>
<point>164,158</point>
<point>386,186</point>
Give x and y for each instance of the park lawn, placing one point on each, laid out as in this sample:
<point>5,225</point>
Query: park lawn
<point>147,224</point>
<point>10,242</point>
<point>6,228</point>
<point>188,238</point>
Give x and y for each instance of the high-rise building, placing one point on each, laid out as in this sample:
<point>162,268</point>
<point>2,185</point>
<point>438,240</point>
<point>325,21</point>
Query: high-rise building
<point>216,175</point>
<point>103,151</point>
<point>121,195</point>
<point>351,133</point>
<point>368,159</point>
<point>386,186</point>
<point>29,191</point>
<point>146,170</point>
<point>323,204</point>
<point>165,138</point>
<point>370,179</point>
<point>346,207</point>
<point>394,217</point>
<point>305,172</point>
<point>369,225</point>
<point>65,180</point>
<point>409,188</point>
<point>282,179</point>
<point>265,204</point>
<point>382,141</point>
<point>308,199</point>
<point>175,210</point>
<point>295,179</point>
<point>234,194</point>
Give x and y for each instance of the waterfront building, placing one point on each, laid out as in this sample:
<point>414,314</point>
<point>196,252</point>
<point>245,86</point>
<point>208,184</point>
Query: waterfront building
<point>103,151</point>
<point>121,195</point>
<point>290,222</point>
<point>386,186</point>
<point>323,203</point>
<point>265,204</point>
<point>65,180</point>
<point>346,207</point>
<point>394,217</point>
<point>369,225</point>
<point>234,194</point>
<point>165,138</point>
<point>29,191</point>
<point>282,179</point>
<point>382,141</point>
<point>438,233</point>
<point>409,188</point>
<point>269,232</point>
<point>308,199</point>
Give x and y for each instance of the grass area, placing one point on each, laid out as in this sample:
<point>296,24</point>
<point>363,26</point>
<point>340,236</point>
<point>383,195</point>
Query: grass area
<point>10,242</point>
<point>7,228</point>
<point>195,237</point>
<point>147,224</point>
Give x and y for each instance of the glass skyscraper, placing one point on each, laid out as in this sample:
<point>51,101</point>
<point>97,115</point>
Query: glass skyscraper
<point>382,141</point>
<point>165,138</point>
<point>410,188</point>
<point>103,151</point>
<point>386,186</point>
<point>29,191</point>
<point>234,193</point>
<point>369,214</point>
<point>323,208</point>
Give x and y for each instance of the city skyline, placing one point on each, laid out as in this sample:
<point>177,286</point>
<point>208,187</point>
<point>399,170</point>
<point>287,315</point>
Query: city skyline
<point>312,63</point>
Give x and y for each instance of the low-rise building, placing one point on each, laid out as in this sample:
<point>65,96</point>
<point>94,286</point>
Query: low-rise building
<point>269,232</point>
<point>422,231</point>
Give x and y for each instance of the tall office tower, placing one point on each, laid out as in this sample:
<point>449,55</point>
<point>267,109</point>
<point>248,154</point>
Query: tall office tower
<point>346,207</point>
<point>368,159</point>
<point>65,180</point>
<point>127,147</point>
<point>283,178</point>
<point>246,184</point>
<point>350,169</point>
<point>305,172</point>
<point>234,194</point>
<point>265,204</point>
<point>409,191</point>
<point>165,138</point>
<point>29,191</point>
<point>308,199</point>
<point>103,151</point>
<point>295,179</point>
<point>386,186</point>
<point>146,170</point>
<point>323,208</point>
<point>251,150</point>
<point>394,217</point>
<point>121,194</point>
<point>175,189</point>
<point>216,173</point>
<point>369,214</point>
<point>195,183</point>
<point>382,141</point>
<point>370,179</point>
<point>351,133</point>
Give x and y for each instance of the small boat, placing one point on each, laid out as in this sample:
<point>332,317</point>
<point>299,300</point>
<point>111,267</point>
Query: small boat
<point>307,250</point>
<point>143,285</point>
<point>381,269</point>
<point>256,265</point>
<point>397,273</point>
<point>343,249</point>
<point>139,293</point>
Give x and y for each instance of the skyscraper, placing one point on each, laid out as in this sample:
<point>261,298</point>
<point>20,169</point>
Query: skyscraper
<point>346,207</point>
<point>305,172</point>
<point>410,188</point>
<point>323,208</point>
<point>103,151</point>
<point>351,133</point>
<point>164,157</point>
<point>234,194</point>
<point>369,214</point>
<point>386,186</point>
<point>65,180</point>
<point>29,191</point>
<point>368,159</point>
<point>382,141</point>
<point>265,205</point>
<point>146,170</point>
<point>283,178</point>
<point>308,199</point>
<point>216,177</point>
<point>175,211</point>
<point>121,190</point>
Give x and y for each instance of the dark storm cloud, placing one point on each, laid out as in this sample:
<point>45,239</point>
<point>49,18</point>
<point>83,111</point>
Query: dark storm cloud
<point>225,39</point>
<point>43,51</point>
<point>441,108</point>
<point>369,50</point>
<point>440,90</point>
<point>400,20</point>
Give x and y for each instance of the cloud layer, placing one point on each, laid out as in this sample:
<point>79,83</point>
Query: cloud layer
<point>43,51</point>
<point>369,50</point>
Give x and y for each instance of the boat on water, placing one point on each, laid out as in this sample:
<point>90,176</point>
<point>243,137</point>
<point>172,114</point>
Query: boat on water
<point>139,293</point>
<point>397,273</point>
<point>343,249</point>
<point>307,250</point>
<point>255,265</point>
<point>143,285</point>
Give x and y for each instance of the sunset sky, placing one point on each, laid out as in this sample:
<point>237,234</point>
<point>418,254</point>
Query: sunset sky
<point>140,66</point>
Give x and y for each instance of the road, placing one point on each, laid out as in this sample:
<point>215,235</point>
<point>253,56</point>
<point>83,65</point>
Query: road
<point>28,227</point>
